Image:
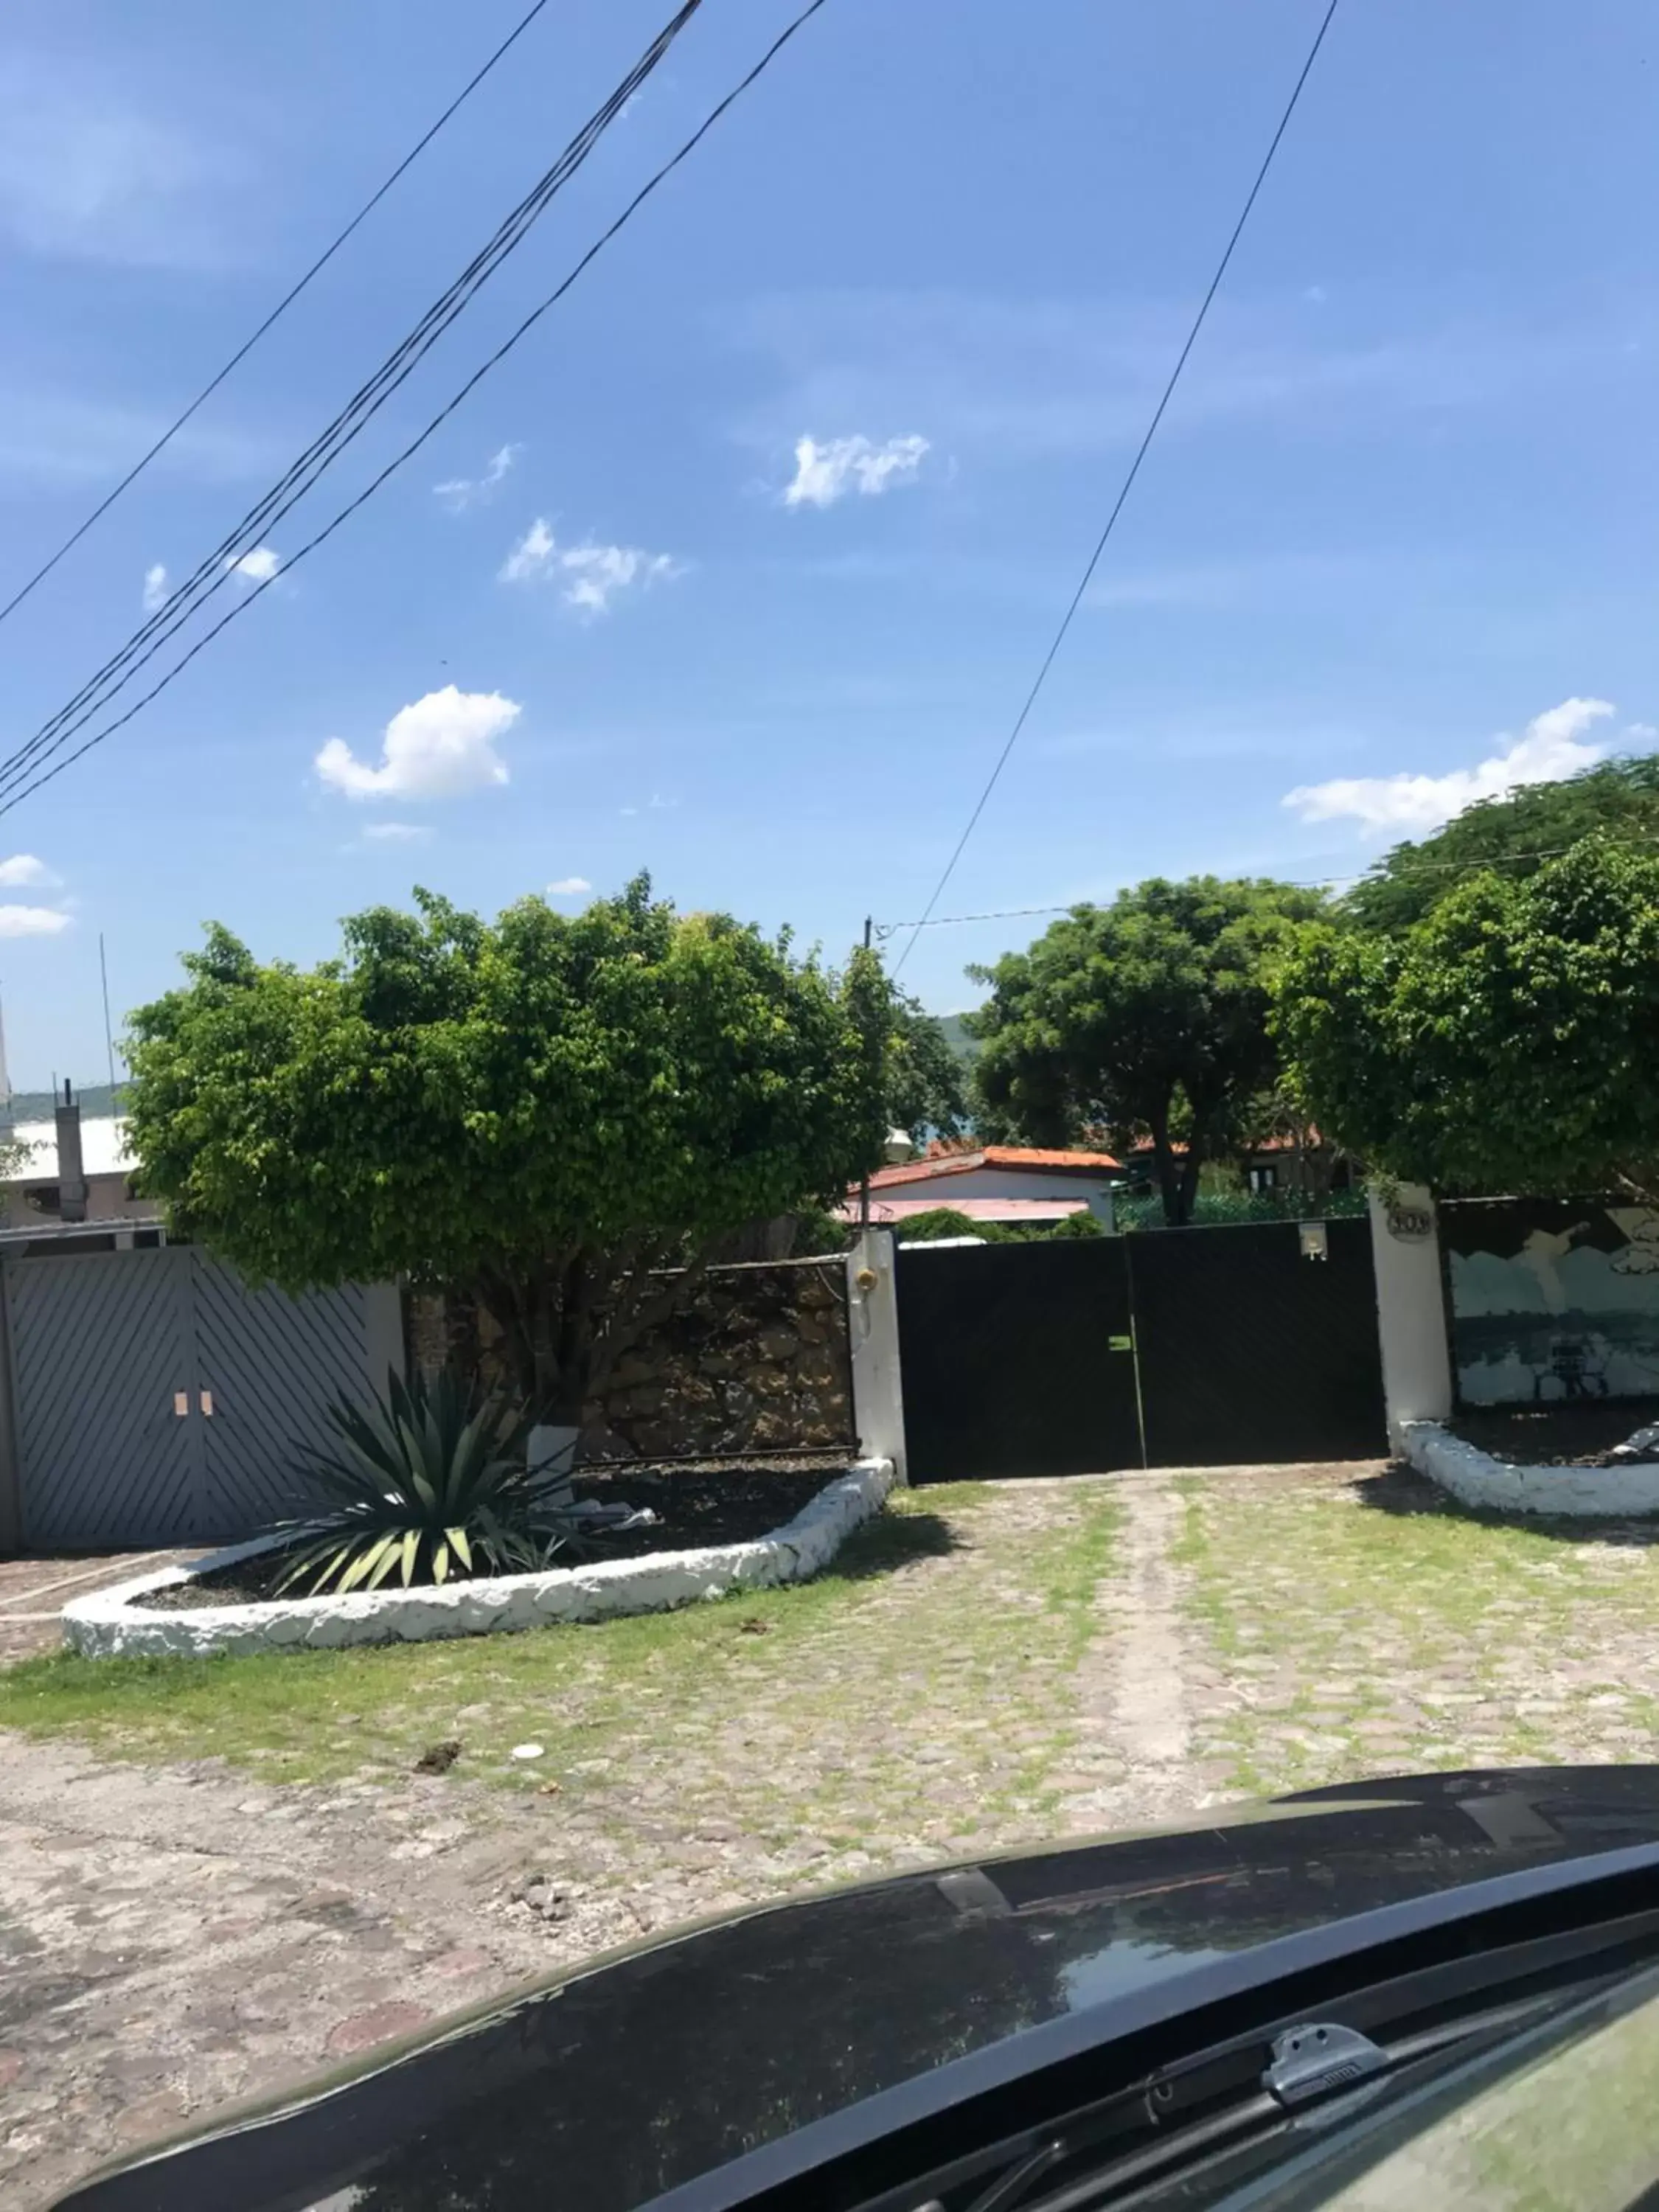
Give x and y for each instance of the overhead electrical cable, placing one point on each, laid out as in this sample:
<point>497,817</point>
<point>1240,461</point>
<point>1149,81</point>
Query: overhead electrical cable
<point>1367,877</point>
<point>216,571</point>
<point>277,313</point>
<point>1125,488</point>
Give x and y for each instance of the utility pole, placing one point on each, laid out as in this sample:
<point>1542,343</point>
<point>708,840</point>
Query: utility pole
<point>864,1189</point>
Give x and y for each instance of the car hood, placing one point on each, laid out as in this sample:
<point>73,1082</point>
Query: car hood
<point>640,2071</point>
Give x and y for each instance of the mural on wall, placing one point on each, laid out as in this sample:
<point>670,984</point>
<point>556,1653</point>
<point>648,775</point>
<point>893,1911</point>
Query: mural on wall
<point>1553,1299</point>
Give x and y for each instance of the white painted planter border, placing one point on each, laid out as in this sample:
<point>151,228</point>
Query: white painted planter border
<point>1476,1478</point>
<point>108,1625</point>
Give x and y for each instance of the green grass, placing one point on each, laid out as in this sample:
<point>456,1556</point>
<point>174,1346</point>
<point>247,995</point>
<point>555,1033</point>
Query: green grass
<point>776,1707</point>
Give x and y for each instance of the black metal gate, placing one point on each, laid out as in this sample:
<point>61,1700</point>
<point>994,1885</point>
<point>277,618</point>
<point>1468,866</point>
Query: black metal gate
<point>1017,1359</point>
<point>1251,1350</point>
<point>1188,1347</point>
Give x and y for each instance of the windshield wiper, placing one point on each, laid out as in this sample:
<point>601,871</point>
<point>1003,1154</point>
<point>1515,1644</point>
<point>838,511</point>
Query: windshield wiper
<point>1313,2063</point>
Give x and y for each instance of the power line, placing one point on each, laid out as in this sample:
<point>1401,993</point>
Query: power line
<point>882,930</point>
<point>17,795</point>
<point>215,571</point>
<point>1128,485</point>
<point>279,310</point>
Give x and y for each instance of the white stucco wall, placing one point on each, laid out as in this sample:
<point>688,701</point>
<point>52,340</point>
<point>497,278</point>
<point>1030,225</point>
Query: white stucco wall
<point>1411,1314</point>
<point>874,1340</point>
<point>996,1183</point>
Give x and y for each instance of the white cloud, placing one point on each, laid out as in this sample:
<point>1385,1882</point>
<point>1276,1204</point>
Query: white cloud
<point>85,174</point>
<point>825,473</point>
<point>1553,746</point>
<point>155,588</point>
<point>530,557</point>
<point>437,748</point>
<point>21,871</point>
<point>568,887</point>
<point>53,436</point>
<point>588,574</point>
<point>1004,379</point>
<point>466,491</point>
<point>397,832</point>
<point>32,921</point>
<point>258,566</point>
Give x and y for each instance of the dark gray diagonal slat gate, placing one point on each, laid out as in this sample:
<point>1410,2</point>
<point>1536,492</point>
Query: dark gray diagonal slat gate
<point>160,1401</point>
<point>99,1345</point>
<point>272,1365</point>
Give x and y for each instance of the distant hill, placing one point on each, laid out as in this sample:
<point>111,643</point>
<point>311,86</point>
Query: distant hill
<point>95,1102</point>
<point>963,1046</point>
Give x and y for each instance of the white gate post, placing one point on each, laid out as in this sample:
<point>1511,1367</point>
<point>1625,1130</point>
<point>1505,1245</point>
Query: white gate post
<point>1411,1306</point>
<point>872,1330</point>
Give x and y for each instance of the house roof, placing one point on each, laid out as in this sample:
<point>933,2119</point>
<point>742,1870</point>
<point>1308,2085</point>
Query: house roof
<point>1020,1158</point>
<point>1142,1146</point>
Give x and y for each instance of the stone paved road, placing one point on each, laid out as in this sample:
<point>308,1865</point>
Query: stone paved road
<point>175,1936</point>
<point>172,1937</point>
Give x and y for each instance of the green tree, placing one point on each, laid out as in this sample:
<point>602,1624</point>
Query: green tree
<point>1619,798</point>
<point>927,1078</point>
<point>1150,1014</point>
<point>543,1110</point>
<point>1504,1042</point>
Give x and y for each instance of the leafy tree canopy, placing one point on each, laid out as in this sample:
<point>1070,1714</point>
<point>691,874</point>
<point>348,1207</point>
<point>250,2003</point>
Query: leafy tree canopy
<point>1620,799</point>
<point>1150,1014</point>
<point>542,1108</point>
<point>1504,1041</point>
<point>927,1078</point>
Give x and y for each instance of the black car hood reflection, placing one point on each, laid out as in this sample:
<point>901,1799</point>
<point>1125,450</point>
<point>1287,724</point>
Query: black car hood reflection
<point>624,2079</point>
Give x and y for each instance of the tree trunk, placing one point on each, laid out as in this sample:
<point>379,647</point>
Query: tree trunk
<point>531,1313</point>
<point>566,1322</point>
<point>1188,1187</point>
<point>1171,1179</point>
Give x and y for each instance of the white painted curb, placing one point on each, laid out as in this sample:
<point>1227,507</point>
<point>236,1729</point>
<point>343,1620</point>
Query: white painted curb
<point>1476,1478</point>
<point>108,1625</point>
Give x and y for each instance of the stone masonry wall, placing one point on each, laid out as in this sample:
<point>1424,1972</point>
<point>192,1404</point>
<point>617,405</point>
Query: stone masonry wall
<point>754,1358</point>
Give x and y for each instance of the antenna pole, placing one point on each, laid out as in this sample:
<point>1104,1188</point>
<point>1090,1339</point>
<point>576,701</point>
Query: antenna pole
<point>109,1036</point>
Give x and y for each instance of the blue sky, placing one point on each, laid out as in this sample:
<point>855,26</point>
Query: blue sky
<point>1400,520</point>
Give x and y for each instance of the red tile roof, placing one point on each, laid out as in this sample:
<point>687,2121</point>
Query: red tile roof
<point>1142,1146</point>
<point>1021,1158</point>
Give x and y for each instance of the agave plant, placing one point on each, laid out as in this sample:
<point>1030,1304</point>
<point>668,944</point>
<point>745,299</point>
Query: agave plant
<point>430,1482</point>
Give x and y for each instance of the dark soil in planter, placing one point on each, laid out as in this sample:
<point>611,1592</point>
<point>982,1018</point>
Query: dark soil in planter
<point>1582,1434</point>
<point>694,1506</point>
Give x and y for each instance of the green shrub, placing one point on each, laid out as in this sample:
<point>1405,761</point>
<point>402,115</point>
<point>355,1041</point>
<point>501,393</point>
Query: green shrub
<point>941,1221</point>
<point>819,1230</point>
<point>1215,1209</point>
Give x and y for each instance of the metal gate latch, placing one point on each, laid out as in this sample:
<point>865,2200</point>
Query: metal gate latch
<point>1316,2055</point>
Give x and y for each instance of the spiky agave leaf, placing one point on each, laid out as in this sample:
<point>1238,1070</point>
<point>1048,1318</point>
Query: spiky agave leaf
<point>428,1468</point>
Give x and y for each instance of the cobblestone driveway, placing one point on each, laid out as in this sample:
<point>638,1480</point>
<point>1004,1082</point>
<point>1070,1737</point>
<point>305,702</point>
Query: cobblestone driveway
<point>1073,1656</point>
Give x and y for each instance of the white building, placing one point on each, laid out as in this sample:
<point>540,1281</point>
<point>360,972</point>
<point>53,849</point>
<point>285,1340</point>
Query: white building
<point>999,1182</point>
